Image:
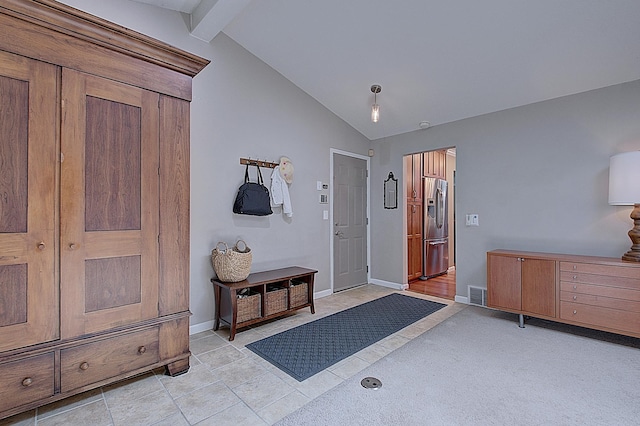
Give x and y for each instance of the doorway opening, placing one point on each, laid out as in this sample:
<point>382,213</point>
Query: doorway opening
<point>430,209</point>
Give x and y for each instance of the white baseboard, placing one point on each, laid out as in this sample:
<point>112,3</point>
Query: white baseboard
<point>323,293</point>
<point>462,299</point>
<point>395,286</point>
<point>199,328</point>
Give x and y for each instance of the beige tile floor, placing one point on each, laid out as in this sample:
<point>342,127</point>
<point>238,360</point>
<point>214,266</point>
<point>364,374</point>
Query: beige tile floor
<point>227,383</point>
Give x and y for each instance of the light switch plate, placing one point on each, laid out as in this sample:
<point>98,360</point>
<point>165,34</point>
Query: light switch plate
<point>319,185</point>
<point>473,219</point>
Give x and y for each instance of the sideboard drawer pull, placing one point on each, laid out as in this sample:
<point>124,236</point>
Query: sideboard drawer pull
<point>28,381</point>
<point>84,366</point>
<point>575,312</point>
<point>142,350</point>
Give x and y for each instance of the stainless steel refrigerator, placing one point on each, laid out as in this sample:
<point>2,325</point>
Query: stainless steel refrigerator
<point>435,254</point>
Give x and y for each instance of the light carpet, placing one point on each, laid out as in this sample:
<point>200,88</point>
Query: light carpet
<point>479,368</point>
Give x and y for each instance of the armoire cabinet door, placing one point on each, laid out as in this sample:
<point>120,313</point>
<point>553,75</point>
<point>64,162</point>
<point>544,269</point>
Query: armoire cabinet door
<point>28,160</point>
<point>108,204</point>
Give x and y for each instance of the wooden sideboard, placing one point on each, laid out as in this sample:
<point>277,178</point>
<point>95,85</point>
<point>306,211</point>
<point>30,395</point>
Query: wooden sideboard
<point>269,294</point>
<point>594,292</point>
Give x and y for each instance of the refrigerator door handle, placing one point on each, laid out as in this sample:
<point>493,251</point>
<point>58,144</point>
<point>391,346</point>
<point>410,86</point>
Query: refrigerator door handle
<point>439,208</point>
<point>432,243</point>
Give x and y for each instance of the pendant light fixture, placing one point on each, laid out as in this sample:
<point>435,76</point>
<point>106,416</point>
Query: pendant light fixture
<point>375,108</point>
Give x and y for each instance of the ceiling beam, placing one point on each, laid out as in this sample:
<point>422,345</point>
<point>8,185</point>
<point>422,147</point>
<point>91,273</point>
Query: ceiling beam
<point>211,16</point>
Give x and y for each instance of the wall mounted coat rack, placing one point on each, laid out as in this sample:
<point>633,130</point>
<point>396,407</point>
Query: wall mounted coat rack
<point>258,163</point>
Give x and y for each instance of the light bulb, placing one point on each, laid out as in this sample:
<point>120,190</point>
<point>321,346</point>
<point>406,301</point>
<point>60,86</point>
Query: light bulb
<point>375,113</point>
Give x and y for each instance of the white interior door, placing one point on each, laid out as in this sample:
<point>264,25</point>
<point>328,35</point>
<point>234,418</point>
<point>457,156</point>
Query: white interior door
<point>350,222</point>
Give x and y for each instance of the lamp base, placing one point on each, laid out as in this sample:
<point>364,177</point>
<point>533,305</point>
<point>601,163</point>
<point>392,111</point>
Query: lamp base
<point>633,255</point>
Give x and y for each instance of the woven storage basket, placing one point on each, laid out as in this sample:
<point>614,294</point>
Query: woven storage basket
<point>231,265</point>
<point>248,308</point>
<point>275,301</point>
<point>299,293</point>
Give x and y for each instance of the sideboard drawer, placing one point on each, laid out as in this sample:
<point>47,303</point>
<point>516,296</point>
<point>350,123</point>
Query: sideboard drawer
<point>26,380</point>
<point>93,362</point>
<point>579,277</point>
<point>600,269</point>
<point>616,319</point>
<point>600,290</point>
<point>605,302</point>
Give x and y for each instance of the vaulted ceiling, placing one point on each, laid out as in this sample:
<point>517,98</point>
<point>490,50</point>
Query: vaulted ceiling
<point>436,60</point>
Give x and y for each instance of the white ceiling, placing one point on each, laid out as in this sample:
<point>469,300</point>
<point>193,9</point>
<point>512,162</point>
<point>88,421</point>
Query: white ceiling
<point>436,60</point>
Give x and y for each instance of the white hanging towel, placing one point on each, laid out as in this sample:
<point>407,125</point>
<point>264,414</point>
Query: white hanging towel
<point>280,192</point>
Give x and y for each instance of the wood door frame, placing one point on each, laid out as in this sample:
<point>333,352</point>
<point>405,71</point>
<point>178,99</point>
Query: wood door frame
<point>333,151</point>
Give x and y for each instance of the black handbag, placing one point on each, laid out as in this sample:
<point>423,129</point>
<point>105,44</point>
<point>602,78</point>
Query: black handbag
<point>253,198</point>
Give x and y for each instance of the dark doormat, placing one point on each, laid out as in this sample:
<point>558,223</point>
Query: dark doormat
<point>308,349</point>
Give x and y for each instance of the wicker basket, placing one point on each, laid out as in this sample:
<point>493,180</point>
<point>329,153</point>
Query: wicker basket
<point>299,293</point>
<point>231,265</point>
<point>275,301</point>
<point>248,308</point>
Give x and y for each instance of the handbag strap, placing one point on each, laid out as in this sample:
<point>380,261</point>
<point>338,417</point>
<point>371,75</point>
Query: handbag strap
<point>259,175</point>
<point>246,174</point>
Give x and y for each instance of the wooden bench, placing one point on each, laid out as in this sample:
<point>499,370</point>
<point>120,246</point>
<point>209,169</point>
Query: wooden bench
<point>263,296</point>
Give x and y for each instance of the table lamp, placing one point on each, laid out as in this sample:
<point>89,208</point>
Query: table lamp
<point>624,190</point>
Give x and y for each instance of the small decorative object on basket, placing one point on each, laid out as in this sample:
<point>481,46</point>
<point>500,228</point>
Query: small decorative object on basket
<point>231,265</point>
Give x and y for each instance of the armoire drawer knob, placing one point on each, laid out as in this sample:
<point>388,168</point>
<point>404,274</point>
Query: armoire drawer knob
<point>84,366</point>
<point>575,287</point>
<point>575,312</point>
<point>41,245</point>
<point>575,297</point>
<point>72,246</point>
<point>142,350</point>
<point>27,382</point>
<point>575,277</point>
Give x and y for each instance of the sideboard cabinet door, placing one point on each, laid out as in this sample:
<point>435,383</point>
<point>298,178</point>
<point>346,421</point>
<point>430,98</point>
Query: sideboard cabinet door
<point>521,284</point>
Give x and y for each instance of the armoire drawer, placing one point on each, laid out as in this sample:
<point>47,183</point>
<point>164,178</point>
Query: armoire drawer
<point>600,316</point>
<point>100,360</point>
<point>26,380</point>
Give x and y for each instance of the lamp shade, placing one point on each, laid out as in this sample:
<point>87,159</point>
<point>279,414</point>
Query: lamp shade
<point>624,179</point>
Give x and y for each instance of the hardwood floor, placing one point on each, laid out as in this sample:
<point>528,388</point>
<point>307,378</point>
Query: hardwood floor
<point>441,286</point>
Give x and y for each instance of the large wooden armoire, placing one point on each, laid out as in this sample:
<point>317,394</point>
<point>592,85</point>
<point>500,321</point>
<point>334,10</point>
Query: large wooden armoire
<point>94,203</point>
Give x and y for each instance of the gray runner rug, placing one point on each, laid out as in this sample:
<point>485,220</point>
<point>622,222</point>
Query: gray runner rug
<point>308,349</point>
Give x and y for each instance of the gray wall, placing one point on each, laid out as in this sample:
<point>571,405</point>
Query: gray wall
<point>243,108</point>
<point>537,175</point>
